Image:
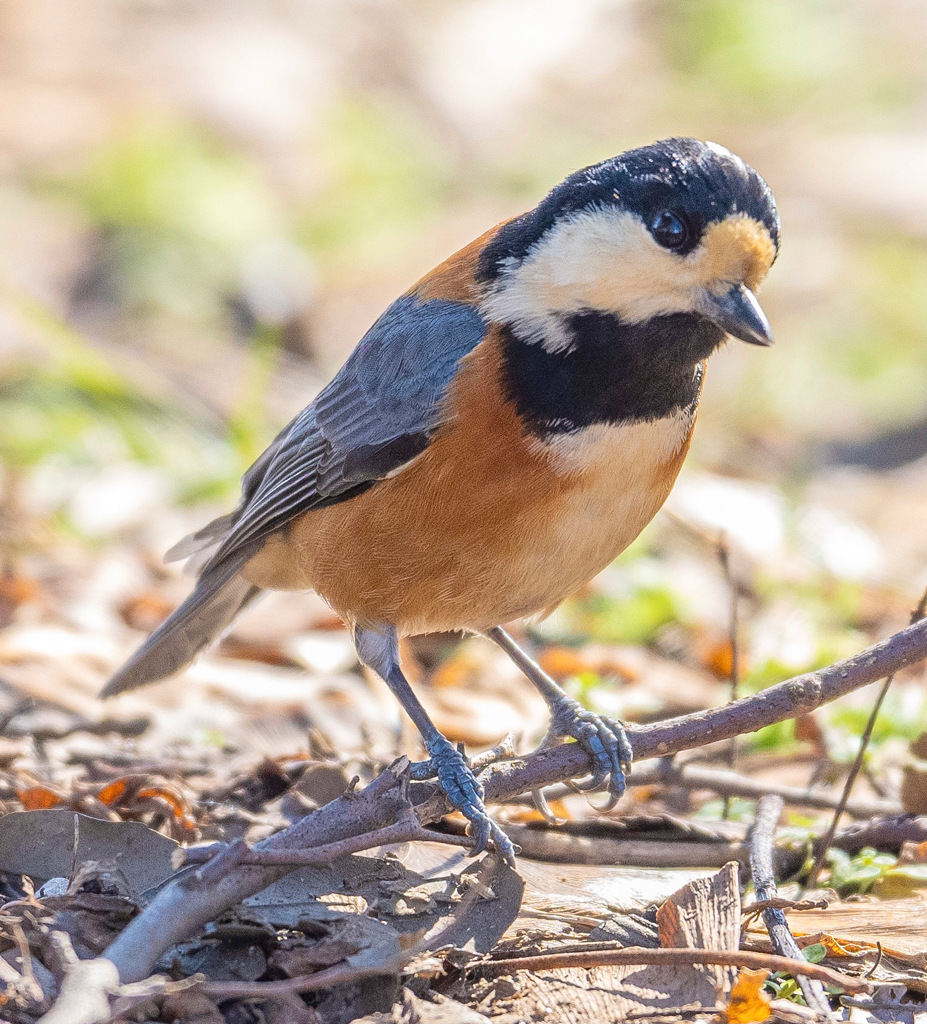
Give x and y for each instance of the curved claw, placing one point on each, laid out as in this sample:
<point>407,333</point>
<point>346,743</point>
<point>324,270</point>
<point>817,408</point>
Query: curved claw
<point>464,791</point>
<point>543,808</point>
<point>602,738</point>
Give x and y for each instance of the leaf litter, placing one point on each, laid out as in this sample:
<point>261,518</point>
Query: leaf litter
<point>259,734</point>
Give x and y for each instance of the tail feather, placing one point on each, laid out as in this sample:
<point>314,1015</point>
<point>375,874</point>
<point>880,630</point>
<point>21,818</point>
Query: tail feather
<point>219,596</point>
<point>198,548</point>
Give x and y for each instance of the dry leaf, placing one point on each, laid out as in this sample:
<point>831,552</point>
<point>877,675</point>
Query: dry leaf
<point>136,796</point>
<point>39,798</point>
<point>748,1002</point>
<point>563,662</point>
<point>14,591</point>
<point>846,928</point>
<point>913,853</point>
<point>146,611</point>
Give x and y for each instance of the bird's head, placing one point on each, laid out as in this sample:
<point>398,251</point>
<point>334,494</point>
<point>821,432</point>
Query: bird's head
<point>678,227</point>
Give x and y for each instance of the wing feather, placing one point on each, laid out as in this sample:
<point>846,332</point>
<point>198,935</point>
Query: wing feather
<point>377,414</point>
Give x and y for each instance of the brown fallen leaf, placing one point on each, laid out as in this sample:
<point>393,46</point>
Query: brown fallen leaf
<point>135,797</point>
<point>39,798</point>
<point>897,924</point>
<point>129,798</point>
<point>15,590</point>
<point>713,650</point>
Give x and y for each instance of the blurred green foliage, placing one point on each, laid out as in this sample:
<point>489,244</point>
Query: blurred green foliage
<point>765,58</point>
<point>383,177</point>
<point>176,209</point>
<point>632,619</point>
<point>75,410</point>
<point>49,409</point>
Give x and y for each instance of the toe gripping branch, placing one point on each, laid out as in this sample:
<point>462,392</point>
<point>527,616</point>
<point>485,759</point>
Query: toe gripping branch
<point>603,739</point>
<point>465,793</point>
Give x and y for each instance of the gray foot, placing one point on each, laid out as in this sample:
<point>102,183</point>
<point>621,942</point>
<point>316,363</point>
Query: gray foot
<point>603,739</point>
<point>461,787</point>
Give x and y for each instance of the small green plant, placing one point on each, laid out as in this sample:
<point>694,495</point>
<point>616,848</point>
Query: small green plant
<point>857,875</point>
<point>784,986</point>
<point>869,869</point>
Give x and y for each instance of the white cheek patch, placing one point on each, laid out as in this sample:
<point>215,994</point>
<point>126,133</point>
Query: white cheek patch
<point>603,260</point>
<point>518,303</point>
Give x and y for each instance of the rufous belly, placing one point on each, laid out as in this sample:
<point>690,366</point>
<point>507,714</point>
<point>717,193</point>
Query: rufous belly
<point>487,525</point>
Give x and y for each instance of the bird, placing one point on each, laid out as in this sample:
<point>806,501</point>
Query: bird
<point>502,432</point>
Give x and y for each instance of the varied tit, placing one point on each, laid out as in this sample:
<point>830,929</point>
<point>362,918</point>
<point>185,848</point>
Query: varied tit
<point>504,430</point>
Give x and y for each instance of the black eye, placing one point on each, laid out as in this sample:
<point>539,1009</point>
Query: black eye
<point>669,229</point>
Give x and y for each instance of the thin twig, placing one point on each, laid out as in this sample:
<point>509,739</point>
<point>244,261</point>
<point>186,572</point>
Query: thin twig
<point>762,838</point>
<point>727,783</point>
<point>407,830</point>
<point>917,614</point>
<point>876,962</point>
<point>778,903</point>
<point>502,751</point>
<point>633,956</point>
<point>724,557</point>
<point>625,956</point>
<point>340,974</point>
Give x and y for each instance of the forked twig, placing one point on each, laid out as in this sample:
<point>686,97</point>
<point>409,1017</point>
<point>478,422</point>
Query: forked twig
<point>407,830</point>
<point>762,838</point>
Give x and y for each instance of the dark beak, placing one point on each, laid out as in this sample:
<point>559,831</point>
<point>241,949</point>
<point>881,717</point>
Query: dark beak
<point>739,314</point>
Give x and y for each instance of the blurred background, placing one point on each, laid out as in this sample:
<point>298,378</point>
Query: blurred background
<point>205,203</point>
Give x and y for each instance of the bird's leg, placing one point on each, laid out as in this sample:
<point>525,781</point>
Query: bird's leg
<point>379,649</point>
<point>603,739</point>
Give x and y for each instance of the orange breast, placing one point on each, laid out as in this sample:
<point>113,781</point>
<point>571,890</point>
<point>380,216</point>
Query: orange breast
<point>487,524</point>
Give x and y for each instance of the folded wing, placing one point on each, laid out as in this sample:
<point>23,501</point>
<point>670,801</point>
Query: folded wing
<point>378,413</point>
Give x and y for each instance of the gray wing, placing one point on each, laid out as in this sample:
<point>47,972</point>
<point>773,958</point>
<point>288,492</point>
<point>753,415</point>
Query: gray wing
<point>378,413</point>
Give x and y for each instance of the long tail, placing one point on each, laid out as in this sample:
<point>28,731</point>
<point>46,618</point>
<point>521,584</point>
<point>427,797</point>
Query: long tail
<point>220,594</point>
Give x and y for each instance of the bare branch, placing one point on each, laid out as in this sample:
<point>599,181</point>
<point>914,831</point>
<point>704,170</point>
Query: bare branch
<point>633,956</point>
<point>406,830</point>
<point>186,904</point>
<point>727,783</point>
